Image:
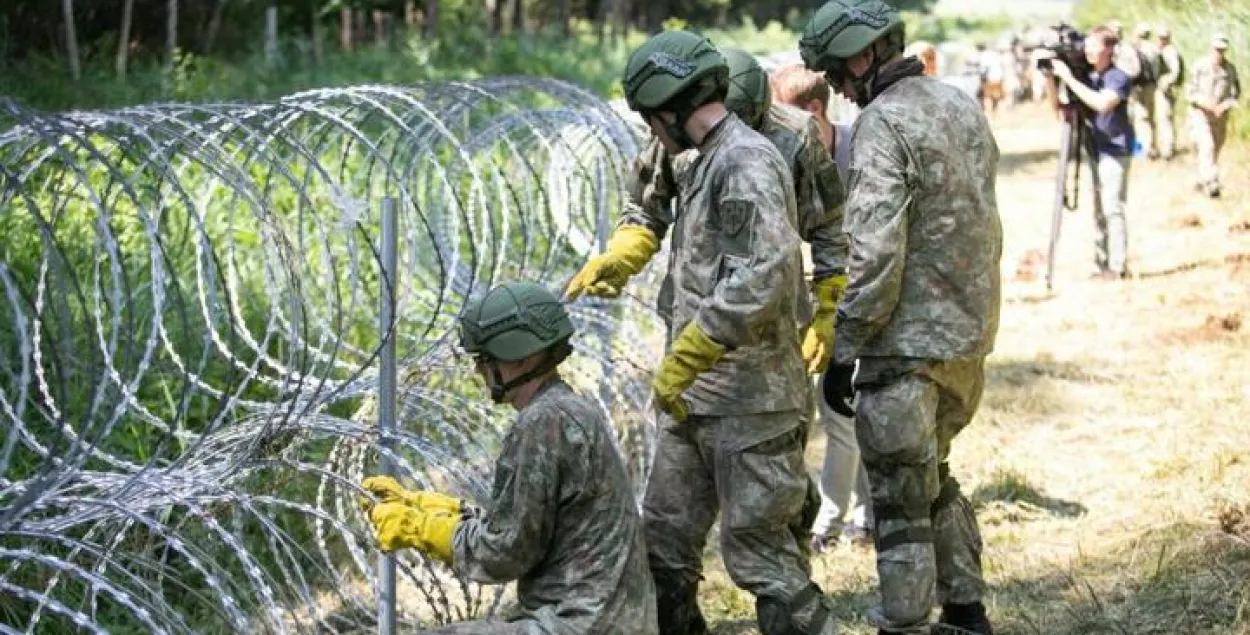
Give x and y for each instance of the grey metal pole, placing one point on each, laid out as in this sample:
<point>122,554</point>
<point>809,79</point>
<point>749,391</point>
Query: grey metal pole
<point>386,397</point>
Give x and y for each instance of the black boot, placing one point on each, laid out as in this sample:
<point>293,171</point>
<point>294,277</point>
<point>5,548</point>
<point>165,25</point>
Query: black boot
<point>965,618</point>
<point>677,605</point>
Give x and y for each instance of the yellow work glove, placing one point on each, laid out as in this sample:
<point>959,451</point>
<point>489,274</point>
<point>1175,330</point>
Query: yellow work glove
<point>398,526</point>
<point>818,341</point>
<point>629,249</point>
<point>692,353</point>
<point>388,490</point>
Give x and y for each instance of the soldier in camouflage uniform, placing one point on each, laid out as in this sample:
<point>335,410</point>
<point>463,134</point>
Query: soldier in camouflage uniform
<point>562,519</point>
<point>1171,77</point>
<point>732,381</point>
<point>1144,106</point>
<point>817,186</point>
<point>1213,91</point>
<point>818,193</point>
<point>920,312</point>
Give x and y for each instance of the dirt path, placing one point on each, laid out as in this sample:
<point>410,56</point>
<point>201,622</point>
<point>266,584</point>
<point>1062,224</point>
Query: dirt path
<point>1110,461</point>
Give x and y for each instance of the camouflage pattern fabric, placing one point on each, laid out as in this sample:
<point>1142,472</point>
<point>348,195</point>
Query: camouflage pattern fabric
<point>1213,84</point>
<point>817,190</point>
<point>928,543</point>
<point>1165,99</point>
<point>920,313</point>
<point>817,186</point>
<point>926,239</point>
<point>735,267</point>
<point>758,484</point>
<point>563,523</point>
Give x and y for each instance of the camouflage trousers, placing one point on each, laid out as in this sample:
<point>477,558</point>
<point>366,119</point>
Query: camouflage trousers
<point>1209,134</point>
<point>1165,124</point>
<point>927,539</point>
<point>1144,122</point>
<point>750,471</point>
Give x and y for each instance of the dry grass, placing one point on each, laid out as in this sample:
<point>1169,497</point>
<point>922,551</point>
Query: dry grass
<point>1110,460</point>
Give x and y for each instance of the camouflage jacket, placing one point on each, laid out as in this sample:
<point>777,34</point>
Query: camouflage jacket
<point>735,266</point>
<point>563,522</point>
<point>1171,66</point>
<point>817,187</point>
<point>1214,84</point>
<point>926,239</point>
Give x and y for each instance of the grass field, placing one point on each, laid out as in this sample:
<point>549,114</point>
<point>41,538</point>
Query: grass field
<point>1111,455</point>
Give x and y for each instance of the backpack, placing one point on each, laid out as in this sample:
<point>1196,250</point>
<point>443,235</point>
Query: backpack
<point>1179,70</point>
<point>1149,64</point>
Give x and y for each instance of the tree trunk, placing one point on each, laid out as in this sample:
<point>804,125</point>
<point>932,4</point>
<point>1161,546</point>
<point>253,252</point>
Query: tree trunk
<point>214,26</point>
<point>566,7</point>
<point>171,32</point>
<point>71,39</point>
<point>345,29</point>
<point>123,38</point>
<point>271,36</point>
<point>318,39</point>
<point>360,25</point>
<point>496,17</point>
<point>431,19</point>
<point>518,17</point>
<point>602,16</point>
<point>379,28</point>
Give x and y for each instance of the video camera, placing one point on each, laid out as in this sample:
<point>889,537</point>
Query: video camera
<point>1069,48</point>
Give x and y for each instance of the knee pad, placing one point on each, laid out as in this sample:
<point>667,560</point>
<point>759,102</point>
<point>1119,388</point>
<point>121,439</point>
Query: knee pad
<point>805,614</point>
<point>911,500</point>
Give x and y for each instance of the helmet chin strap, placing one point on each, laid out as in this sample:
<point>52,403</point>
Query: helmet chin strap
<point>499,389</point>
<point>864,83</point>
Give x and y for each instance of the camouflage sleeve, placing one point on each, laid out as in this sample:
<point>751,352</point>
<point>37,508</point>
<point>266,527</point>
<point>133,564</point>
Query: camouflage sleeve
<point>1234,84</point>
<point>876,220</point>
<point>754,229</point>
<point>512,534</point>
<point>649,190</point>
<point>1171,60</point>
<point>1194,90</point>
<point>819,195</point>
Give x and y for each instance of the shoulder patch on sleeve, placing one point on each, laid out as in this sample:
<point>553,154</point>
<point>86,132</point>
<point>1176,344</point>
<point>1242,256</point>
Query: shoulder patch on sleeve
<point>735,214</point>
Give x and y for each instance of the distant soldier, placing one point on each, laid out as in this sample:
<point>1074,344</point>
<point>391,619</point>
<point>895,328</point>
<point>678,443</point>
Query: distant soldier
<point>1125,56</point>
<point>1143,97</point>
<point>1171,76</point>
<point>1213,92</point>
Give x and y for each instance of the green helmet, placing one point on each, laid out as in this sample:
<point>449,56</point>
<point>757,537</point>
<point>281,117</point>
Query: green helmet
<point>843,28</point>
<point>513,321</point>
<point>748,96</point>
<point>670,64</point>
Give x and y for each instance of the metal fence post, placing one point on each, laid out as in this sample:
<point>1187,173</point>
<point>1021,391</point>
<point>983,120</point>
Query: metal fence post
<point>386,396</point>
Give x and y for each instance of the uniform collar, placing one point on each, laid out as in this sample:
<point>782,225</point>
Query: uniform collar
<point>718,133</point>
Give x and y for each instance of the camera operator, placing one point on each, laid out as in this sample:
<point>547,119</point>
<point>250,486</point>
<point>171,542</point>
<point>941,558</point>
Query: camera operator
<point>1104,94</point>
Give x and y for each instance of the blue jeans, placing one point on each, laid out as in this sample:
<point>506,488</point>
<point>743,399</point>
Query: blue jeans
<point>1110,195</point>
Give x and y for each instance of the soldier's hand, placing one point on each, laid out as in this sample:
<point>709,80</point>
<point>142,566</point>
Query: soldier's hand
<point>839,388</point>
<point>692,352</point>
<point>600,277</point>
<point>605,275</point>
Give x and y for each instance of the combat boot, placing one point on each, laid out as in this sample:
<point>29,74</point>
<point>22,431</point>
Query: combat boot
<point>677,605</point>
<point>962,619</point>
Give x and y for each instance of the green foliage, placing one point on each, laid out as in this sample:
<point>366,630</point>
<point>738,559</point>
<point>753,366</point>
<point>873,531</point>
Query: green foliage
<point>1192,23</point>
<point>472,54</point>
